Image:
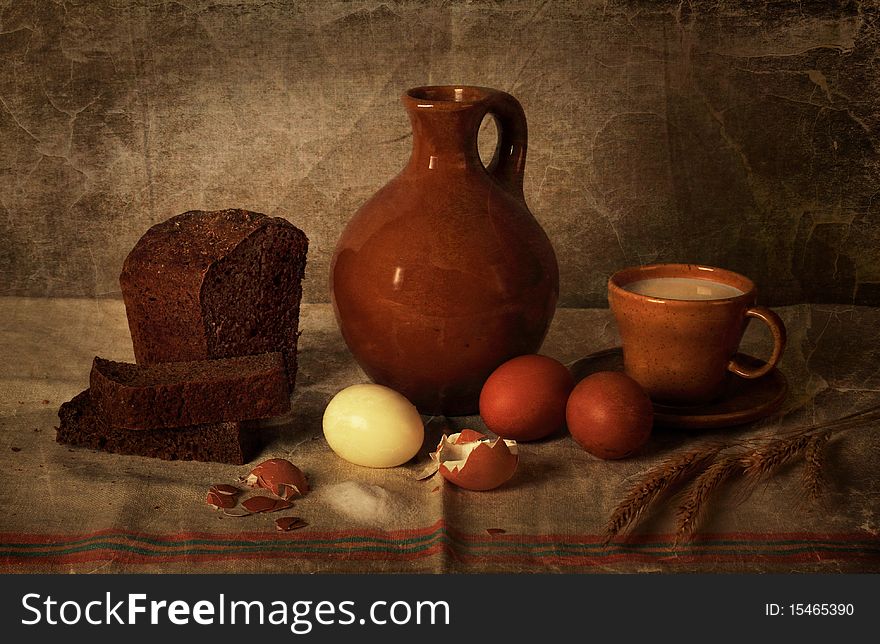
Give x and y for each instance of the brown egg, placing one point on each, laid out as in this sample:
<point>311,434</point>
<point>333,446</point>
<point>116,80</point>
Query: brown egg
<point>610,415</point>
<point>524,399</point>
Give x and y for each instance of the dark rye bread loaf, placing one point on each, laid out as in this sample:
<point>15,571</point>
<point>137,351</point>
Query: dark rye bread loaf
<point>215,285</point>
<point>177,394</point>
<point>221,442</point>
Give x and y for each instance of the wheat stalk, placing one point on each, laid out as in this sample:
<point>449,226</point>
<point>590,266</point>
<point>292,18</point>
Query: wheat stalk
<point>752,458</point>
<point>814,461</point>
<point>655,484</point>
<point>694,504</point>
<point>773,455</point>
<point>855,419</point>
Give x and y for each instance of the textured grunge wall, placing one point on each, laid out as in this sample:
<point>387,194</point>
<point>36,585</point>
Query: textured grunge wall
<point>738,134</point>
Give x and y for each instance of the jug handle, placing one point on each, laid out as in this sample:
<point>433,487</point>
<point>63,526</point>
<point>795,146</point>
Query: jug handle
<point>509,161</point>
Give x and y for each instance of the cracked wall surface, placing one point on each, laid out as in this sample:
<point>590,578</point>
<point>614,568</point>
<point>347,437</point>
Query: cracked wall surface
<point>737,134</point>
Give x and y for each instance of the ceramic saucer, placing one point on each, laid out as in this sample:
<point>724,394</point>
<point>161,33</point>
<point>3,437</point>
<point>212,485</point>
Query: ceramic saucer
<point>743,400</point>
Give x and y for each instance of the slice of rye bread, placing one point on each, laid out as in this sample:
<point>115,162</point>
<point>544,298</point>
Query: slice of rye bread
<point>81,426</point>
<point>179,394</point>
<point>215,284</point>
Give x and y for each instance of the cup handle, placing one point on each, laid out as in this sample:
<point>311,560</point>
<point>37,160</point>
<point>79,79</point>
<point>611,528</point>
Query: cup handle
<point>777,329</point>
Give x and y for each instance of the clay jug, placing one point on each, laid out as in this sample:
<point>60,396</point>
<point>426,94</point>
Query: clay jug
<point>444,273</point>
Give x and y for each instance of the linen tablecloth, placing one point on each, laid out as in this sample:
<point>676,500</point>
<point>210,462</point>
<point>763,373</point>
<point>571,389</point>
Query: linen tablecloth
<point>77,510</point>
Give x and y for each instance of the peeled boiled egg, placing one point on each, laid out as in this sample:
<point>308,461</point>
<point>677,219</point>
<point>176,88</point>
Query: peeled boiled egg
<point>524,399</point>
<point>610,415</point>
<point>373,426</point>
<point>474,461</point>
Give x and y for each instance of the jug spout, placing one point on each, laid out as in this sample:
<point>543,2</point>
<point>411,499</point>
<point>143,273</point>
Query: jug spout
<point>445,121</point>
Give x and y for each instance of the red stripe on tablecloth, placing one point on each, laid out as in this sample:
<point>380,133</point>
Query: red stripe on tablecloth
<point>544,561</point>
<point>39,551</point>
<point>129,558</point>
<point>266,535</point>
<point>385,535</point>
<point>671,538</point>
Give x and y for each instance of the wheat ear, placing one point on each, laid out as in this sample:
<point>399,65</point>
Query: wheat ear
<point>693,505</point>
<point>657,482</point>
<point>770,457</point>
<point>814,462</point>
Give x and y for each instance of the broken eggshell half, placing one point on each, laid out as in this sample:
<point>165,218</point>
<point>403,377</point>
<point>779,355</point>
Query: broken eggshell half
<point>474,461</point>
<point>281,477</point>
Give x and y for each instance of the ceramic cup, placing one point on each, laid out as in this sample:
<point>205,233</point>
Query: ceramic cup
<point>680,336</point>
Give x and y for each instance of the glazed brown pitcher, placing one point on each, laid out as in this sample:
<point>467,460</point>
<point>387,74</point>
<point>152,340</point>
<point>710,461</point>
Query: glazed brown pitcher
<point>444,274</point>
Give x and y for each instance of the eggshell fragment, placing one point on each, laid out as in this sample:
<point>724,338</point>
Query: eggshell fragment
<point>220,501</point>
<point>428,471</point>
<point>256,504</point>
<point>281,477</point>
<point>468,436</point>
<point>373,426</point>
<point>286,524</point>
<point>222,496</point>
<point>237,511</point>
<point>223,488</point>
<point>524,399</point>
<point>281,504</point>
<point>610,415</point>
<point>475,462</point>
